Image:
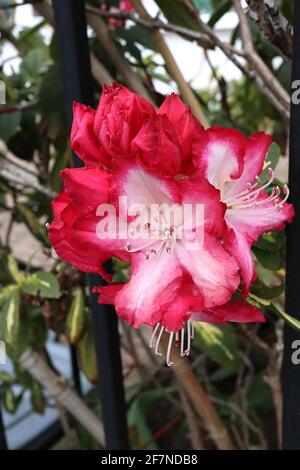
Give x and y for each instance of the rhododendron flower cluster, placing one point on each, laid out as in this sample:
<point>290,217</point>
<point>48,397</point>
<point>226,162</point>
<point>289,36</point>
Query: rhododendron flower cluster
<point>182,271</point>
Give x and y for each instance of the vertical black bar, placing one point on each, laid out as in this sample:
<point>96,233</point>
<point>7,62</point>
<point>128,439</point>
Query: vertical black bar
<point>75,368</point>
<point>3,441</point>
<point>291,372</point>
<point>70,21</point>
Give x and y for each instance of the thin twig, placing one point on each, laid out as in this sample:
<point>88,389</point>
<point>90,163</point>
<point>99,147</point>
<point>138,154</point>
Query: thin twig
<point>14,107</point>
<point>154,23</point>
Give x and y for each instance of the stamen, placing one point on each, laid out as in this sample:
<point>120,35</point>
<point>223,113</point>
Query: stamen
<point>179,340</point>
<point>168,360</point>
<point>157,352</point>
<point>188,349</point>
<point>287,193</point>
<point>152,342</point>
<point>129,248</point>
<point>182,352</point>
<point>47,225</point>
<point>272,197</point>
<point>239,198</point>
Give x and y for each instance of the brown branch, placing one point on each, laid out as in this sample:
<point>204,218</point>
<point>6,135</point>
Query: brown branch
<point>154,24</point>
<point>103,35</point>
<point>231,54</point>
<point>14,170</point>
<point>7,6</point>
<point>200,400</point>
<point>194,431</point>
<point>274,25</point>
<point>60,389</point>
<point>257,63</point>
<point>172,67</point>
<point>14,107</point>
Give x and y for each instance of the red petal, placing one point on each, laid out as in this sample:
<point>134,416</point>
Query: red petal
<point>213,270</point>
<point>87,187</point>
<point>150,289</point>
<point>256,149</point>
<point>239,312</point>
<point>83,256</point>
<point>119,117</point>
<point>108,293</point>
<point>83,140</point>
<point>158,147</point>
<point>219,155</point>
<point>186,125</point>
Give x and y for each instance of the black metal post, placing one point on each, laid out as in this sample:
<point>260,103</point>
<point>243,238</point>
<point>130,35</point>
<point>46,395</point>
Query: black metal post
<point>75,369</point>
<point>3,441</point>
<point>70,22</point>
<point>291,371</point>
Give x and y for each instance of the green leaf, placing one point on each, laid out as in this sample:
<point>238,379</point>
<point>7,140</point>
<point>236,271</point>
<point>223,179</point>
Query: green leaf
<point>259,395</point>
<point>75,322</point>
<point>9,124</point>
<point>51,91</point>
<point>139,430</point>
<point>268,242</point>
<point>11,401</point>
<point>5,377</point>
<point>136,34</point>
<point>272,160</point>
<point>10,318</point>
<point>87,354</point>
<point>266,292</point>
<point>61,162</point>
<point>37,398</point>
<point>292,321</point>
<point>42,283</point>
<point>14,270</point>
<point>37,330</point>
<point>34,63</point>
<point>33,223</point>
<point>271,261</point>
<point>176,13</point>
<point>223,8</point>
<point>219,343</point>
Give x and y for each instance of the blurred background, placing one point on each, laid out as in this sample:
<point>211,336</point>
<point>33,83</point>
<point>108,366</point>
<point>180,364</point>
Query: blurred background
<point>231,62</point>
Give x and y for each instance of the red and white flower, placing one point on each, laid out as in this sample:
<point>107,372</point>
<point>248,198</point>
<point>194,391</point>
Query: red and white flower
<point>162,159</point>
<point>233,164</point>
